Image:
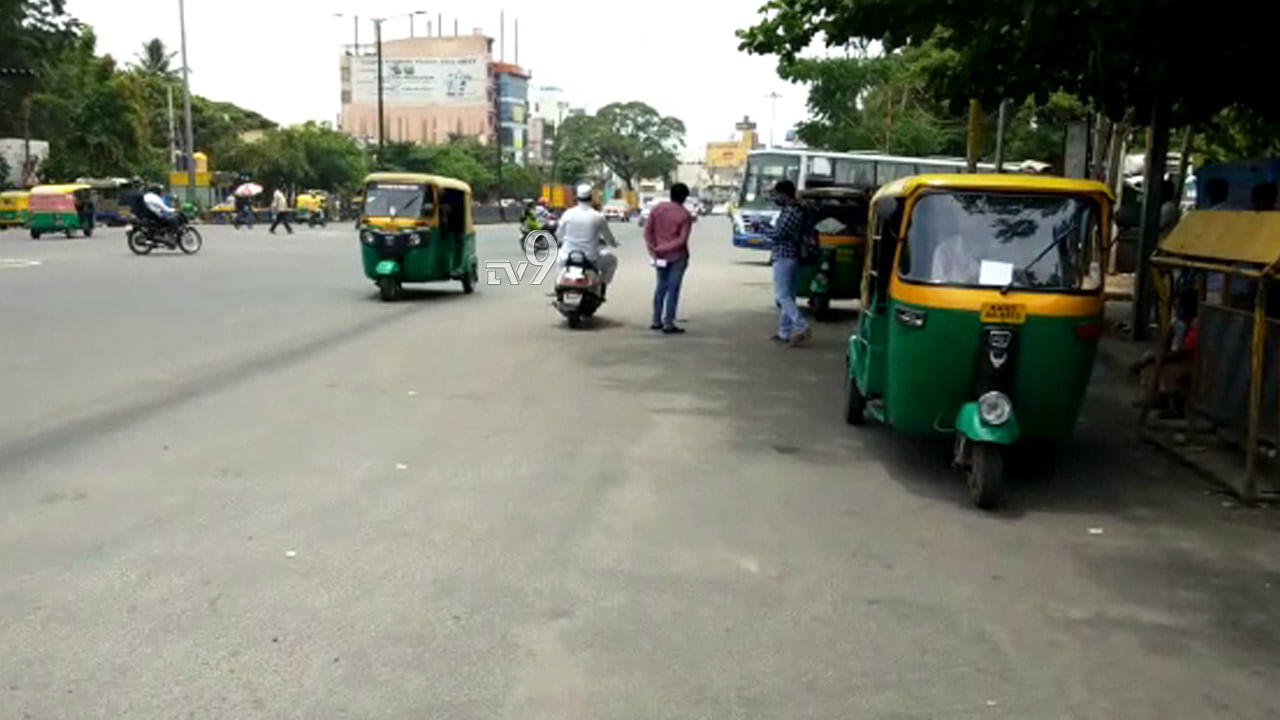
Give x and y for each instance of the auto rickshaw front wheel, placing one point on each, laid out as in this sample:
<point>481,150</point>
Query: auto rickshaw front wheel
<point>821,304</point>
<point>35,234</point>
<point>388,289</point>
<point>984,474</point>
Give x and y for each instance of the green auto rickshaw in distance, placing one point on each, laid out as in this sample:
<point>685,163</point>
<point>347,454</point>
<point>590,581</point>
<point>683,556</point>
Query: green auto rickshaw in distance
<point>982,305</point>
<point>839,217</point>
<point>416,229</point>
<point>61,208</point>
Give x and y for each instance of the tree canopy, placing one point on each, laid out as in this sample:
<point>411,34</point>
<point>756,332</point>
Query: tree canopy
<point>631,138</point>
<point>1113,54</point>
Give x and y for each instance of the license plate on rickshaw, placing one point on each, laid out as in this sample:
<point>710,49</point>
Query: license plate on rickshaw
<point>572,298</point>
<point>1004,313</point>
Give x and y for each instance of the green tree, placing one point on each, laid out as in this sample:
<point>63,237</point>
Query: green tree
<point>635,141</point>
<point>154,59</point>
<point>91,115</point>
<point>883,103</point>
<point>31,32</point>
<point>1113,55</point>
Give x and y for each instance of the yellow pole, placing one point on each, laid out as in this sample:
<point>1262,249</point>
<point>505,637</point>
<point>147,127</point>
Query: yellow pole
<point>975,114</point>
<point>1249,492</point>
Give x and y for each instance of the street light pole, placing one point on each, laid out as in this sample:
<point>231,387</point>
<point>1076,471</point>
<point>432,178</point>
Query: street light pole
<point>186,103</point>
<point>773,114</point>
<point>377,35</point>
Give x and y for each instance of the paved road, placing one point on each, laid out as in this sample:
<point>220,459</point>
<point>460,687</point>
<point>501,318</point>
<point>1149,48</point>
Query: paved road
<point>237,486</point>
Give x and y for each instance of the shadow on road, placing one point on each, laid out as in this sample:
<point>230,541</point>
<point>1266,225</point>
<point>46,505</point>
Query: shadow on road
<point>792,398</point>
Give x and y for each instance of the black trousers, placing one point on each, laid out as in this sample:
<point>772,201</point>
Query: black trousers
<point>284,217</point>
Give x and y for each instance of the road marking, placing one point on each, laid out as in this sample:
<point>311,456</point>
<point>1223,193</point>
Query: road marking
<point>17,263</point>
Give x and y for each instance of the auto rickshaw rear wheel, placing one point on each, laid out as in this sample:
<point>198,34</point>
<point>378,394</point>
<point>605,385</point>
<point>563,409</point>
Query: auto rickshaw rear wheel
<point>388,289</point>
<point>984,474</point>
<point>469,280</point>
<point>855,403</point>
<point>821,305</point>
<point>35,234</point>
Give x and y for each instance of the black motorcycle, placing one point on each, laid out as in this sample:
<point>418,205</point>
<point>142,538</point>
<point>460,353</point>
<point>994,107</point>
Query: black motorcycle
<point>144,236</point>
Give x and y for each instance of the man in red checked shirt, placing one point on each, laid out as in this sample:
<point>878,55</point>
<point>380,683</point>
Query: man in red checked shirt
<point>666,233</point>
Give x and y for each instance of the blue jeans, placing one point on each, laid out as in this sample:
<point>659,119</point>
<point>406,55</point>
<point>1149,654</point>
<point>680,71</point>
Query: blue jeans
<point>784,292</point>
<point>667,292</point>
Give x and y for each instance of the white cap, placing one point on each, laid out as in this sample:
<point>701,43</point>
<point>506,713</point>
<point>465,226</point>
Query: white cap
<point>584,192</point>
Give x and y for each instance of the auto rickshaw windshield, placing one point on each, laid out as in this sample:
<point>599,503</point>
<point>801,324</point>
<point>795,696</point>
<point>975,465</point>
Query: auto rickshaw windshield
<point>396,200</point>
<point>1010,241</point>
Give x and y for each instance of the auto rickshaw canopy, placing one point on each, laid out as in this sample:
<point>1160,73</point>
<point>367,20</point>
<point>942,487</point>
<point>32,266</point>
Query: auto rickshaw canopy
<point>993,182</point>
<point>418,179</point>
<point>1235,242</point>
<point>58,189</point>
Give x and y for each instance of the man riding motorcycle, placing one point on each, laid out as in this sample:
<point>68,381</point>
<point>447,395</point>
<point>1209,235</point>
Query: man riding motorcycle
<point>584,228</point>
<point>152,209</point>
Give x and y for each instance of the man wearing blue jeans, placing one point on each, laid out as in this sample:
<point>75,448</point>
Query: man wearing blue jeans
<point>666,234</point>
<point>786,235</point>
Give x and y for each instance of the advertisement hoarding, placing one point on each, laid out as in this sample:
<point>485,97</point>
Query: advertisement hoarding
<point>421,81</point>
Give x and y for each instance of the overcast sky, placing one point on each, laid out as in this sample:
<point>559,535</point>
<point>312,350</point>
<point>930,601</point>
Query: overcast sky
<point>280,57</point>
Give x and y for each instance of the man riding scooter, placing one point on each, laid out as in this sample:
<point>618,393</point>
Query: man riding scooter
<point>584,229</point>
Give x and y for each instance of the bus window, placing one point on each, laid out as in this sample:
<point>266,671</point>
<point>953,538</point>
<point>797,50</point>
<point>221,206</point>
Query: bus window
<point>889,170</point>
<point>763,171</point>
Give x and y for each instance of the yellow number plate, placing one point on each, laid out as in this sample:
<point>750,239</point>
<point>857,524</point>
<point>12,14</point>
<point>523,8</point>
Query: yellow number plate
<point>1006,313</point>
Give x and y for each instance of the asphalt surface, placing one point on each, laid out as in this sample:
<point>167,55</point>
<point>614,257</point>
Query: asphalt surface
<point>236,485</point>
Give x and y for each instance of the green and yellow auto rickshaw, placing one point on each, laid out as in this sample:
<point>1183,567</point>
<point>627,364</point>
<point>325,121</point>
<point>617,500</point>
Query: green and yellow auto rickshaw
<point>61,208</point>
<point>839,216</point>
<point>982,308</point>
<point>311,208</point>
<point>13,208</point>
<point>417,228</point>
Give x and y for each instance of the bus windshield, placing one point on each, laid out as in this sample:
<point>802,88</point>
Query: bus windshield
<point>396,200</point>
<point>1031,242</point>
<point>763,170</point>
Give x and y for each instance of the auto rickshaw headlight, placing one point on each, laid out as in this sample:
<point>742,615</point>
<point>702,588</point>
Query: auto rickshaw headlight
<point>412,238</point>
<point>994,408</point>
<point>366,237</point>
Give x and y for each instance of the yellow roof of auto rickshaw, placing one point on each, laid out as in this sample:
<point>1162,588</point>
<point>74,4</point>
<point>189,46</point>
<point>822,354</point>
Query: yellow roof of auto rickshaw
<point>14,193</point>
<point>994,182</point>
<point>1226,237</point>
<point>418,178</point>
<point>58,189</point>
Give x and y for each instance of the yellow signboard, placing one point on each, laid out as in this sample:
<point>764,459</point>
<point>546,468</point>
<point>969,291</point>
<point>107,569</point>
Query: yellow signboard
<point>179,179</point>
<point>726,154</point>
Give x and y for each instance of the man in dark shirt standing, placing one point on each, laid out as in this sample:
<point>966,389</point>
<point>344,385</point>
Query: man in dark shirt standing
<point>787,236</point>
<point>667,236</point>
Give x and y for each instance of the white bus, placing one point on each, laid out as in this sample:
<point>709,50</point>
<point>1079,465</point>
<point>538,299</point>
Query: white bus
<point>810,169</point>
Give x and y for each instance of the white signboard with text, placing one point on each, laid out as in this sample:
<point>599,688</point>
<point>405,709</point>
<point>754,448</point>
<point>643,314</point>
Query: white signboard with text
<point>421,81</point>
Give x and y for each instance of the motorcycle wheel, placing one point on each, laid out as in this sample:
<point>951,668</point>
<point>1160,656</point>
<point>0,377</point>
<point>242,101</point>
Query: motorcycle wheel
<point>575,320</point>
<point>190,241</point>
<point>137,245</point>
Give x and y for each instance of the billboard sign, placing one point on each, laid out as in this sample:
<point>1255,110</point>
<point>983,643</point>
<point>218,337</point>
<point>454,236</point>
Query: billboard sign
<point>421,81</point>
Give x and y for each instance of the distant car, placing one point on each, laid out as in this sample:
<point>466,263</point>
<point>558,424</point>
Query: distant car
<point>616,210</point>
<point>720,209</point>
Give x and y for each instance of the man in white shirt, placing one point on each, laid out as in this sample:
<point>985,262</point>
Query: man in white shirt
<point>160,212</point>
<point>280,206</point>
<point>584,228</point>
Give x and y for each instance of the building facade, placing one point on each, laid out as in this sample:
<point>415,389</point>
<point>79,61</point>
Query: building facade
<point>725,162</point>
<point>434,88</point>
<point>511,84</point>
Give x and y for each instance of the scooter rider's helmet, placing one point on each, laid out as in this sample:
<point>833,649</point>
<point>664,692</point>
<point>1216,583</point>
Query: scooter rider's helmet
<point>584,193</point>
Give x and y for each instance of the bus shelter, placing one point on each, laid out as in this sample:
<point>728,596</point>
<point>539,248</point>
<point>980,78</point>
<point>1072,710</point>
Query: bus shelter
<point>1230,260</point>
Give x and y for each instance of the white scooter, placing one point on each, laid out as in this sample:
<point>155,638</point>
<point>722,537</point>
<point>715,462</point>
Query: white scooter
<point>579,292</point>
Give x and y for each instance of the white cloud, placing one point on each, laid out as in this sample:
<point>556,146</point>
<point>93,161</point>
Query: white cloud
<point>280,57</point>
